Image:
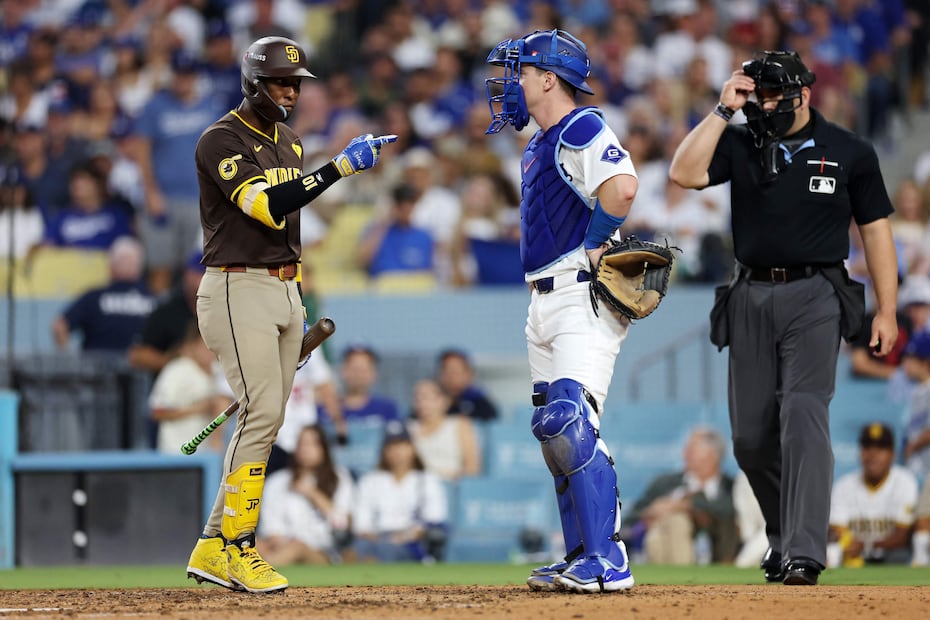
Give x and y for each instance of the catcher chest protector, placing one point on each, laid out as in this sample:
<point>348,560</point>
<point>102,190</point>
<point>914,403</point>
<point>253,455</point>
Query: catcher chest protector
<point>554,218</point>
<point>271,57</point>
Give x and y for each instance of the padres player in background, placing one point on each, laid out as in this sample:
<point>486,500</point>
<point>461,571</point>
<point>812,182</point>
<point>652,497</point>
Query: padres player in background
<point>577,188</point>
<point>796,181</point>
<point>249,166</point>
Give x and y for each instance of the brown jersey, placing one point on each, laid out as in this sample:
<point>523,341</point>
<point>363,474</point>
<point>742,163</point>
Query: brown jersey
<point>231,157</point>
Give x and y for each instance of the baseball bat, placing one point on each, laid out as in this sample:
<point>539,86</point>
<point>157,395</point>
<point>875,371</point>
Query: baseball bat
<point>320,331</point>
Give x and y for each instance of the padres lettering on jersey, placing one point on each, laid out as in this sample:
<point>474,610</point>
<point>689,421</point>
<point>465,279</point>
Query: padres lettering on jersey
<point>240,162</point>
<point>872,513</point>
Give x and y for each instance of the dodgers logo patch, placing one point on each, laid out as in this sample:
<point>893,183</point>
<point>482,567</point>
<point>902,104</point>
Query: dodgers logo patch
<point>613,154</point>
<point>822,185</point>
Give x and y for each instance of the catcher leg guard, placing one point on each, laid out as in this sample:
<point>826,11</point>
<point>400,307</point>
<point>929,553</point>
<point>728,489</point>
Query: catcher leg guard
<point>543,577</point>
<point>209,562</point>
<point>568,431</point>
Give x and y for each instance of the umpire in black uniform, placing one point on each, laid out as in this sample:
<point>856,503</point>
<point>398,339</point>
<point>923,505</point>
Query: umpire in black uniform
<point>796,181</point>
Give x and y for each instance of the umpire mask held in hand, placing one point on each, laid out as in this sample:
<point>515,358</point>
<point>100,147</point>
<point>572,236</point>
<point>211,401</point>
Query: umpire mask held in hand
<point>550,50</point>
<point>777,75</point>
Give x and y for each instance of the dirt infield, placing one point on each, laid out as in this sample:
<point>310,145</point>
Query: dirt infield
<point>458,602</point>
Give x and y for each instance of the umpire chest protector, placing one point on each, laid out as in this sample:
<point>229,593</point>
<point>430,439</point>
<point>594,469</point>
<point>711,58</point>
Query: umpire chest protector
<point>553,216</point>
<point>802,215</point>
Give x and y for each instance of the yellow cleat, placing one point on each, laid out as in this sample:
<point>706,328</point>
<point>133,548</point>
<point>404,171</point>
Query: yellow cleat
<point>209,562</point>
<point>250,572</point>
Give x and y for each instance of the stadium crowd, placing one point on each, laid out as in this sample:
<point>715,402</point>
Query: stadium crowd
<point>102,103</point>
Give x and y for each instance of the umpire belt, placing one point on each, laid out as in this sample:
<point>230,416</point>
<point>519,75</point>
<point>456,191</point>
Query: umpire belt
<point>282,272</point>
<point>781,275</point>
<point>547,285</point>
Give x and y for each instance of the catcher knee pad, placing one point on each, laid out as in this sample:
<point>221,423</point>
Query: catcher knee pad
<point>565,429</point>
<point>243,500</point>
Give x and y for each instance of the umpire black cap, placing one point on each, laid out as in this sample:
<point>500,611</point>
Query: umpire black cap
<point>271,57</point>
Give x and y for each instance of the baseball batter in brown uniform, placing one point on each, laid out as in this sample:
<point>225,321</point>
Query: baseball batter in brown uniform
<point>250,170</point>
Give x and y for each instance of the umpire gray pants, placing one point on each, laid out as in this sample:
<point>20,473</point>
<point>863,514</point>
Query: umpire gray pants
<point>784,344</point>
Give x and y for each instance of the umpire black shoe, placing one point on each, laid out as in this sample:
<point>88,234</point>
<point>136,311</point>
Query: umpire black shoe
<point>773,566</point>
<point>802,572</point>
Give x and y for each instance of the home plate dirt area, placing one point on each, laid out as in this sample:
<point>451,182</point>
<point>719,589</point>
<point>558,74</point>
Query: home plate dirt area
<point>697,602</point>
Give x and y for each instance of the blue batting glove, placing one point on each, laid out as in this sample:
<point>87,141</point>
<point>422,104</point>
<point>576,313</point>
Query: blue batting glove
<point>361,153</point>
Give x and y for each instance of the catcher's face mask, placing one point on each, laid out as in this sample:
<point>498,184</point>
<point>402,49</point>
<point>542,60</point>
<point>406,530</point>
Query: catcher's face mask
<point>779,76</point>
<point>550,50</point>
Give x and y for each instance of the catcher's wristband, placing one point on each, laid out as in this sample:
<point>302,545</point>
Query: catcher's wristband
<point>724,112</point>
<point>601,227</point>
<point>290,196</point>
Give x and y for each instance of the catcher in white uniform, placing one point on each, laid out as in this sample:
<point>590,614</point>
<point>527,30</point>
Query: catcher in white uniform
<point>577,187</point>
<point>872,508</point>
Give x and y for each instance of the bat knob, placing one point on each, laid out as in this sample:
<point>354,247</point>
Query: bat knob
<point>188,449</point>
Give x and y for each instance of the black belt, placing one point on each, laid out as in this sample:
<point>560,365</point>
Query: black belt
<point>781,275</point>
<point>547,285</point>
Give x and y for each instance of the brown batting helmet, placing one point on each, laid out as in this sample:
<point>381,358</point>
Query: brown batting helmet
<point>271,57</point>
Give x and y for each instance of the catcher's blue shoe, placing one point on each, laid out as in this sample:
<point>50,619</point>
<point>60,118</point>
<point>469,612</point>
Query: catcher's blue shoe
<point>542,579</point>
<point>594,574</point>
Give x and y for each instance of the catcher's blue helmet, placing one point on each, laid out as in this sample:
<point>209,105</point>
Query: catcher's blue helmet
<point>552,50</point>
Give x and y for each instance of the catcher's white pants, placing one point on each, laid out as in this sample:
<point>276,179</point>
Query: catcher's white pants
<point>566,340</point>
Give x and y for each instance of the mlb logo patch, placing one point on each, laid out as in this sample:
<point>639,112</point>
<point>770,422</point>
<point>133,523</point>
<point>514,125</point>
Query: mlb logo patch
<point>613,154</point>
<point>822,185</point>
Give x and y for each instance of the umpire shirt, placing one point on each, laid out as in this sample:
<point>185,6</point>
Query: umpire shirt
<point>802,216</point>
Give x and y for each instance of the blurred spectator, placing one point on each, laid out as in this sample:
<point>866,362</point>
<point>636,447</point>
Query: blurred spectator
<point>393,243</point>
<point>167,131</point>
<point>909,222</point>
<point>400,511</point>
<point>110,318</point>
<point>455,374</point>
<point>22,103</point>
<point>46,155</point>
<point>166,327</point>
<point>221,64</point>
<point>14,31</point>
<point>437,208</point>
<point>21,225</point>
<point>95,122</point>
<point>863,25</point>
<point>916,364</point>
<point>677,508</point>
<point>750,523</point>
<point>913,316</point>
<point>90,220</point>
<point>254,19</point>
<point>360,404</point>
<point>313,383</point>
<point>132,81</point>
<point>872,508</point>
<point>921,538</point>
<point>307,506</point>
<point>447,443</point>
<point>489,213</point>
<point>187,395</point>
<point>80,55</point>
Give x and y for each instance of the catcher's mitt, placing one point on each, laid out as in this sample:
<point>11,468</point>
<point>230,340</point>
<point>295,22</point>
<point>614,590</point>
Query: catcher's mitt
<point>632,276</point>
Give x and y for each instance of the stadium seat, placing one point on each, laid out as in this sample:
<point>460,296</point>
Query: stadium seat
<point>498,262</point>
<point>57,273</point>
<point>491,514</point>
<point>362,453</point>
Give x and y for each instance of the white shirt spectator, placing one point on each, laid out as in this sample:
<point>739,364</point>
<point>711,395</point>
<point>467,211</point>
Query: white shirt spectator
<point>300,410</point>
<point>289,514</point>
<point>385,504</point>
